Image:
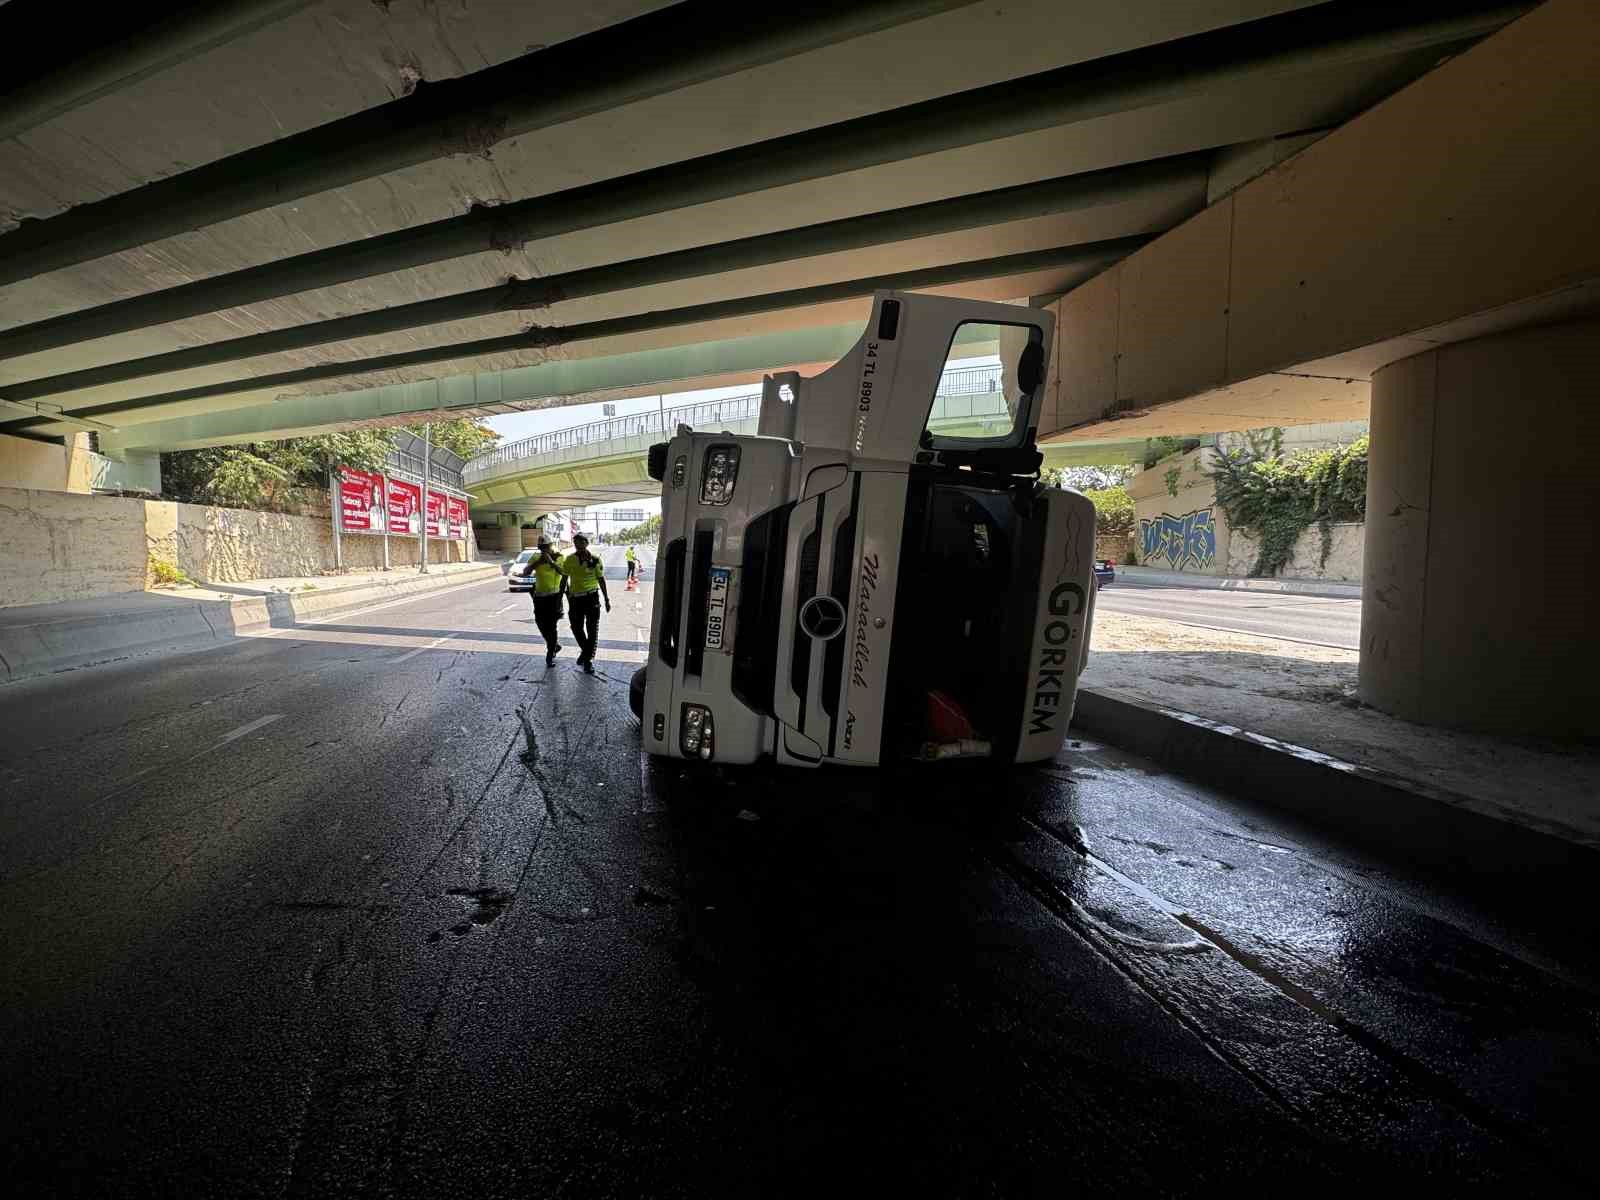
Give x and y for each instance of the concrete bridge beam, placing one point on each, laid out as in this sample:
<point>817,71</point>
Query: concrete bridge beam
<point>1437,259</point>
<point>1459,206</point>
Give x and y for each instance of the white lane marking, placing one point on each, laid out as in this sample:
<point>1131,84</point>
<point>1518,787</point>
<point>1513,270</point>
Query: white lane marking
<point>507,608</point>
<point>134,780</point>
<point>238,733</point>
<point>429,646</point>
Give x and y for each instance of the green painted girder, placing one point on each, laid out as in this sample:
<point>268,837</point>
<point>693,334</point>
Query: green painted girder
<point>297,416</point>
<point>1093,454</point>
<point>666,369</point>
<point>560,480</point>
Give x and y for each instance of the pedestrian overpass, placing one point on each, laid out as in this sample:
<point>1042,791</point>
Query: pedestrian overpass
<point>603,462</point>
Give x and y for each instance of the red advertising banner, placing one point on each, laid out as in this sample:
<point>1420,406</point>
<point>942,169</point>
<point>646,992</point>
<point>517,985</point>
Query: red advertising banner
<point>405,507</point>
<point>459,518</point>
<point>436,511</point>
<point>361,504</point>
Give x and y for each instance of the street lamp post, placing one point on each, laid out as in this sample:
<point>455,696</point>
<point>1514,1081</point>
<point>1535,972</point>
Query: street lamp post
<point>427,454</point>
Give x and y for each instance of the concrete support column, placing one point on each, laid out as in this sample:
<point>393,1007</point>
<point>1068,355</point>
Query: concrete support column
<point>1478,606</point>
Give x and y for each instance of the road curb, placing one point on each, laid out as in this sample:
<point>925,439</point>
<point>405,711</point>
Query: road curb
<point>1147,577</point>
<point>48,647</point>
<point>1399,816</point>
<point>291,608</point>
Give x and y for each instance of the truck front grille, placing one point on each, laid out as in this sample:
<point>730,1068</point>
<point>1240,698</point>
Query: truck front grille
<point>672,602</point>
<point>760,601</point>
<point>805,587</point>
<point>694,637</point>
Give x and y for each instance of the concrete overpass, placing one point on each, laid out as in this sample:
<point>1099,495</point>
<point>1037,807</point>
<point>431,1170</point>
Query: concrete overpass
<point>301,216</point>
<point>603,462</point>
<point>271,218</point>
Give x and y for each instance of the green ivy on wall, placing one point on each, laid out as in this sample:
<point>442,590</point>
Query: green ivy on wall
<point>1278,496</point>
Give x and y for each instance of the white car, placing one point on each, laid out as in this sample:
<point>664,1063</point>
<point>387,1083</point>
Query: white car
<point>515,580</point>
<point>878,574</point>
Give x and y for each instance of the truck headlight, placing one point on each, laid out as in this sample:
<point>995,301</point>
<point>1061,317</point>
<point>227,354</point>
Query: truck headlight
<point>696,734</point>
<point>721,472</point>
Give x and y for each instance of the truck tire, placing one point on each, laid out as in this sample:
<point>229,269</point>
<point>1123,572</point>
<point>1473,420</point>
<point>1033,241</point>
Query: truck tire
<point>636,695</point>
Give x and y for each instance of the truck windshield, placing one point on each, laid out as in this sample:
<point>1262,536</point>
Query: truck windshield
<point>986,390</point>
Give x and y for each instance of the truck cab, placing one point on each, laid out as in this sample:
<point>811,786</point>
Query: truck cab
<point>877,574</point>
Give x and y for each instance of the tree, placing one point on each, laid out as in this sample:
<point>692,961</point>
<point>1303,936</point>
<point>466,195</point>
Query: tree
<point>1278,496</point>
<point>274,475</point>
<point>1113,509</point>
<point>1085,478</point>
<point>269,475</point>
<point>647,532</point>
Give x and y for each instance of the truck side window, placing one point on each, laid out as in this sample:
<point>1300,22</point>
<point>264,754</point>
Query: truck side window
<point>985,391</point>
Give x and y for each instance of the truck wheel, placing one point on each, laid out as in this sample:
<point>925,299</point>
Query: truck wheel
<point>636,695</point>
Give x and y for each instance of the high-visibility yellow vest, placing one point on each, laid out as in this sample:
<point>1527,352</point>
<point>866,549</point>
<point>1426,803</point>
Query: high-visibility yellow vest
<point>583,578</point>
<point>546,576</point>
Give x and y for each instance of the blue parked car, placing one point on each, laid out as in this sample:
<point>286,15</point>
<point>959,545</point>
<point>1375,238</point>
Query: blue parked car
<point>1105,571</point>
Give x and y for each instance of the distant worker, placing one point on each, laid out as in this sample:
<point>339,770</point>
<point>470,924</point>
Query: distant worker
<point>633,567</point>
<point>549,582</point>
<point>586,584</point>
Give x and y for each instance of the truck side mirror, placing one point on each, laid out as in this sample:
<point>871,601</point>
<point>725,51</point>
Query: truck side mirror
<point>656,462</point>
<point>1030,368</point>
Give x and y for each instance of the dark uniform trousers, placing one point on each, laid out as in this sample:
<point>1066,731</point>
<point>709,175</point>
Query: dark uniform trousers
<point>585,619</point>
<point>547,616</point>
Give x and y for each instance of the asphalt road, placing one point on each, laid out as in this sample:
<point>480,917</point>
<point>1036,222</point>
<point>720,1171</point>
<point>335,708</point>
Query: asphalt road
<point>381,906</point>
<point>1321,620</point>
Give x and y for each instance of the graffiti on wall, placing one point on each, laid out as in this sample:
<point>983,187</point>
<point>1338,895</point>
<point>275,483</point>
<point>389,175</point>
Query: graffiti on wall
<point>1186,542</point>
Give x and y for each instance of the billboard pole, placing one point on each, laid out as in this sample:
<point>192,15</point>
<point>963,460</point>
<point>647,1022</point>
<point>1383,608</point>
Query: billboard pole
<point>336,507</point>
<point>385,519</point>
<point>427,453</point>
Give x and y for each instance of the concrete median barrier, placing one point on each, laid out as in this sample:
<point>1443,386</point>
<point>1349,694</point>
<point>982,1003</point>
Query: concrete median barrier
<point>44,647</point>
<point>45,639</point>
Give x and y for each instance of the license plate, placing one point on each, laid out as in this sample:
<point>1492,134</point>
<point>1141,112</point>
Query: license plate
<point>717,607</point>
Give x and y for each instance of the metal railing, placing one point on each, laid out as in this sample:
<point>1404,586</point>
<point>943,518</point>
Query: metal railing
<point>963,393</point>
<point>410,466</point>
<point>657,424</point>
<point>967,381</point>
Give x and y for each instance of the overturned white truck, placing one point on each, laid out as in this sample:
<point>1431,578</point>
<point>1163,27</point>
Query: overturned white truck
<point>871,578</point>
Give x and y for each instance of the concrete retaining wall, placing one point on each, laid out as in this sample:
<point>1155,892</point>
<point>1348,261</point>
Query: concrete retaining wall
<point>61,546</point>
<point>1113,546</point>
<point>1305,562</point>
<point>1189,533</point>
<point>1178,525</point>
<point>230,545</point>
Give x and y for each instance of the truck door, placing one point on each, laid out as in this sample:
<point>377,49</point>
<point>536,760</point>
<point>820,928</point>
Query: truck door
<point>967,376</point>
<point>883,401</point>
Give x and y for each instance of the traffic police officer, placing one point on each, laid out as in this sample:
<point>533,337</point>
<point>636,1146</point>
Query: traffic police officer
<point>633,565</point>
<point>586,585</point>
<point>549,581</point>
